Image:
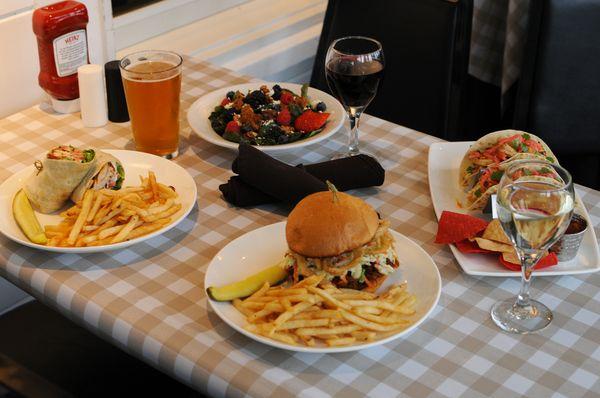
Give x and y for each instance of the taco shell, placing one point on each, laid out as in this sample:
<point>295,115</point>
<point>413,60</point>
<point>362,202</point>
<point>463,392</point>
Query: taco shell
<point>469,168</point>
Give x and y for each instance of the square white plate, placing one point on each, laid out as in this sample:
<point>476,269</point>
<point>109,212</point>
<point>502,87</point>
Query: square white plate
<point>443,165</point>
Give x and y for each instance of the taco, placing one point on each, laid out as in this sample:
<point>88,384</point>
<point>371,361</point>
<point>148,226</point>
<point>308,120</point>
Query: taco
<point>107,173</point>
<point>498,150</point>
<point>487,184</point>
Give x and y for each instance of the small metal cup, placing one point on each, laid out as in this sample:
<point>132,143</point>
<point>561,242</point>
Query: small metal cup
<point>567,247</point>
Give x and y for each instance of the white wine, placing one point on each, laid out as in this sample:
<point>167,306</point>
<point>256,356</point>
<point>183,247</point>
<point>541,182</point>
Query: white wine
<point>534,215</point>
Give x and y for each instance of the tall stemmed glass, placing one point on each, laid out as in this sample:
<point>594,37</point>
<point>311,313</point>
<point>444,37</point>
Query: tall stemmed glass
<point>535,203</point>
<point>353,68</point>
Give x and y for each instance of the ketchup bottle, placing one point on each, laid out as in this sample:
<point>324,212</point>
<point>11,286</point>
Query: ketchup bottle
<point>60,29</point>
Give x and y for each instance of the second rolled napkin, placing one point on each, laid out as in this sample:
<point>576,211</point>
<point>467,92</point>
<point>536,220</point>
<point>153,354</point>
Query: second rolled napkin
<point>262,179</point>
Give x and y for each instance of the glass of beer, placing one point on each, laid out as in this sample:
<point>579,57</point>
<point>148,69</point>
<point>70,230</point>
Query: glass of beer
<point>152,83</point>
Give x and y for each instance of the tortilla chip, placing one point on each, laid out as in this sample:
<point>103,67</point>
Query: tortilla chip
<point>467,246</point>
<point>547,261</point>
<point>494,246</point>
<point>511,258</point>
<point>456,227</point>
<point>495,232</point>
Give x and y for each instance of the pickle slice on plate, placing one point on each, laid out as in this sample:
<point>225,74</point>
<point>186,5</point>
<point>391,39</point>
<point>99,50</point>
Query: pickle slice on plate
<point>26,219</point>
<point>246,287</point>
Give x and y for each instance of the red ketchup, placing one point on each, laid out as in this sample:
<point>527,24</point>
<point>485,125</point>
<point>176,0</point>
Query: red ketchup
<point>62,47</point>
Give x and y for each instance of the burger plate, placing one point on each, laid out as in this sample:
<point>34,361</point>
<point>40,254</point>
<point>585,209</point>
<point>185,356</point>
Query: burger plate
<point>266,246</point>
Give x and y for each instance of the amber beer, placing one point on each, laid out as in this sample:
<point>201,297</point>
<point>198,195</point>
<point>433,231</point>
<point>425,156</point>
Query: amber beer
<point>152,83</point>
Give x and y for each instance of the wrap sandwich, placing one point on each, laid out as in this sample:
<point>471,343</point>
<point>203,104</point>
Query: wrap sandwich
<point>499,149</point>
<point>57,175</point>
<point>107,173</point>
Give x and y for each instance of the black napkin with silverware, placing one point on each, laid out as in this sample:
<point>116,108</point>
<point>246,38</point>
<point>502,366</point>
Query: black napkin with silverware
<point>262,179</point>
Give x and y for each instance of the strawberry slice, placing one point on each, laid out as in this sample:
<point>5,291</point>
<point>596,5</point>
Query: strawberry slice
<point>310,121</point>
<point>225,101</point>
<point>284,117</point>
<point>286,97</point>
<point>232,127</point>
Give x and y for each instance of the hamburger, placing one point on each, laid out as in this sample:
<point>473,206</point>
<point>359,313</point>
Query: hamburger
<point>342,237</point>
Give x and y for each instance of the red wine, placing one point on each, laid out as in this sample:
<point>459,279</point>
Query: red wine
<point>354,83</point>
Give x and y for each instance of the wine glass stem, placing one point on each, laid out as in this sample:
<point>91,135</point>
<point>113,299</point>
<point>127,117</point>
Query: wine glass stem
<point>354,116</point>
<point>528,261</point>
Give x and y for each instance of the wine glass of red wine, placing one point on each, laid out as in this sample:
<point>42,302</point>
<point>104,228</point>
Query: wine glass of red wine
<point>353,68</point>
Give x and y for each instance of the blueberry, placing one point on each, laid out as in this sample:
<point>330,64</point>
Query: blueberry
<point>321,107</point>
<point>230,95</point>
<point>283,139</point>
<point>276,88</point>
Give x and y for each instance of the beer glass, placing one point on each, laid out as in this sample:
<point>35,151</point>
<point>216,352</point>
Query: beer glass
<point>152,83</point>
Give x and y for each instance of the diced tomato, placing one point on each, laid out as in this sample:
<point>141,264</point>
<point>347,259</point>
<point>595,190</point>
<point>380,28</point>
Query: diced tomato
<point>485,179</point>
<point>475,155</point>
<point>503,141</point>
<point>536,146</point>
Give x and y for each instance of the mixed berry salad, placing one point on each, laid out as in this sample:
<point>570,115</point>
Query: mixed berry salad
<point>268,116</point>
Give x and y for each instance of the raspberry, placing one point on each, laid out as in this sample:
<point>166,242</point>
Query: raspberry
<point>284,117</point>
<point>225,101</point>
<point>286,97</point>
<point>310,121</point>
<point>232,127</point>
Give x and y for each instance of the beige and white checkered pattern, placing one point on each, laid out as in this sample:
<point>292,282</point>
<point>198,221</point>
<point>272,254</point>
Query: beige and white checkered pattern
<point>149,299</point>
<point>498,37</point>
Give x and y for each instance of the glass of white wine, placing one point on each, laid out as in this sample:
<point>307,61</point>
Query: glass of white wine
<point>535,201</point>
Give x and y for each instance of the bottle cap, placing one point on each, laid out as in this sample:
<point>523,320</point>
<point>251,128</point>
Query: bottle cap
<point>115,95</point>
<point>65,106</point>
<point>91,95</point>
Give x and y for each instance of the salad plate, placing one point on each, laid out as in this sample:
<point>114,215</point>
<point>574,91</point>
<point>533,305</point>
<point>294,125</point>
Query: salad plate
<point>266,246</point>
<point>443,166</point>
<point>200,110</point>
<point>135,164</point>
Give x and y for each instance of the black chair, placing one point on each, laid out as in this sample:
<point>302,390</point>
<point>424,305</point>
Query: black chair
<point>558,97</point>
<point>426,48</point>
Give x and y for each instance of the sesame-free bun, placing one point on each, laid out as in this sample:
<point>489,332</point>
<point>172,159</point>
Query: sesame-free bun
<point>321,226</point>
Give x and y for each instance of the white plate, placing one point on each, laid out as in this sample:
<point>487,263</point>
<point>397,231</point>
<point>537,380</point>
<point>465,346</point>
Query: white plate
<point>444,162</point>
<point>265,246</point>
<point>135,164</point>
<point>201,109</point>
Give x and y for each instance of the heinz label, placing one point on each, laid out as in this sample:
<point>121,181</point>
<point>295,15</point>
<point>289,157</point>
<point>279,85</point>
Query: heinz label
<point>70,52</point>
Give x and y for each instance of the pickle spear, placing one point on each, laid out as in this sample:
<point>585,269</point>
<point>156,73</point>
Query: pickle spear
<point>26,219</point>
<point>246,287</point>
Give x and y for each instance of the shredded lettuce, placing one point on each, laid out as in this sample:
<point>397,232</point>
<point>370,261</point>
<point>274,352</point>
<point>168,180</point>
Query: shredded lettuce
<point>88,155</point>
<point>121,178</point>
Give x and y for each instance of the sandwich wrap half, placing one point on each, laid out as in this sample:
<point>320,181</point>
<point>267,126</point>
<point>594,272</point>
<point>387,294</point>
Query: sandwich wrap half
<point>499,149</point>
<point>57,175</point>
<point>107,173</point>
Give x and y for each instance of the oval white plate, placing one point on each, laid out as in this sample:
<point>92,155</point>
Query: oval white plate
<point>135,164</point>
<point>266,246</point>
<point>201,109</point>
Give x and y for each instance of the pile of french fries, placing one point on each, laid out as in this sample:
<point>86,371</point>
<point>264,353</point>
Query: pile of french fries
<point>313,312</point>
<point>105,216</point>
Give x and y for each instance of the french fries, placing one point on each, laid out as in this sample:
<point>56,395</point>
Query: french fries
<point>106,217</point>
<point>314,312</point>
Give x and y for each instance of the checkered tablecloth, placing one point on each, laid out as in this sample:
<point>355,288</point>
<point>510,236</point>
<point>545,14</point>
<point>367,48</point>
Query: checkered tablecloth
<point>149,299</point>
<point>498,37</point>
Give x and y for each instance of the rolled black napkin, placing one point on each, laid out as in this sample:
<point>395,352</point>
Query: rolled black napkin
<point>262,179</point>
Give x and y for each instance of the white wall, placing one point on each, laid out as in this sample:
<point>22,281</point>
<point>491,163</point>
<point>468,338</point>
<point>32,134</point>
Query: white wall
<point>19,65</point>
